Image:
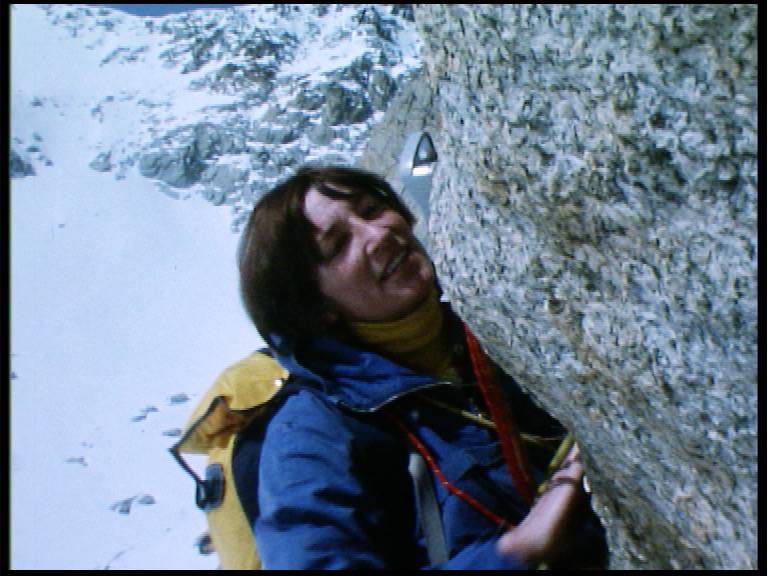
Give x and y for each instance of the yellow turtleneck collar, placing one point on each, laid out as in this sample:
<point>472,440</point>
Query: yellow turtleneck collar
<point>417,341</point>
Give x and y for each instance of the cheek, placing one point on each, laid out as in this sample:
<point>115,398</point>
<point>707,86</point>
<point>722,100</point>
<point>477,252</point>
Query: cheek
<point>425,268</point>
<point>325,283</point>
<point>336,283</point>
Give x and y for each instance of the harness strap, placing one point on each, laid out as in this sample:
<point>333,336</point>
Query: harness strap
<point>422,449</point>
<point>429,510</point>
<point>509,435</point>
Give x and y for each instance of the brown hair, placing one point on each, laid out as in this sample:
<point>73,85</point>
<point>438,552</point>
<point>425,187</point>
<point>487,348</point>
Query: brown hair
<point>277,256</point>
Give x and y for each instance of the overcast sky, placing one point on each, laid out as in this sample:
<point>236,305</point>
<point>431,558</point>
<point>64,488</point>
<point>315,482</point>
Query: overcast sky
<point>160,9</point>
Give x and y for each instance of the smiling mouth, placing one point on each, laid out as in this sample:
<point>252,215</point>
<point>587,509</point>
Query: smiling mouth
<point>394,264</point>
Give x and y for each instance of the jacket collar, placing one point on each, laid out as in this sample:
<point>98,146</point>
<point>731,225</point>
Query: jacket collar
<point>361,380</point>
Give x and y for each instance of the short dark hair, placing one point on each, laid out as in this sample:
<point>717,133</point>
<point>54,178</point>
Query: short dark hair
<point>278,258</point>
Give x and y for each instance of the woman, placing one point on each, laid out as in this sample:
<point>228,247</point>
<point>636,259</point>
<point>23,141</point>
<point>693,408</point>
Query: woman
<point>346,297</point>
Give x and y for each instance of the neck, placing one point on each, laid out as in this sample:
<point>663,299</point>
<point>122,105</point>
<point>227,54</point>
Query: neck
<point>417,341</point>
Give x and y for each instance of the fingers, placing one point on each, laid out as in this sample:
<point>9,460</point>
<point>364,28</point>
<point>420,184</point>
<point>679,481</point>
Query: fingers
<point>572,458</point>
<point>537,537</point>
<point>570,471</point>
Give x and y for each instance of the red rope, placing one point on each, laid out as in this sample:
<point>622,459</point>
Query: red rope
<point>506,428</point>
<point>443,480</point>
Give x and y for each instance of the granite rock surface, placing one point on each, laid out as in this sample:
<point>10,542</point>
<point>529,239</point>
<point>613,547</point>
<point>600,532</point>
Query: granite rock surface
<point>594,220</point>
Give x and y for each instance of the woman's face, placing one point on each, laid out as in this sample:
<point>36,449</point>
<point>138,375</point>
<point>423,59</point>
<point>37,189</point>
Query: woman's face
<point>372,267</point>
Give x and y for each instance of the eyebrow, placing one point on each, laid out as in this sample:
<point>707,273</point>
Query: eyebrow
<point>351,198</point>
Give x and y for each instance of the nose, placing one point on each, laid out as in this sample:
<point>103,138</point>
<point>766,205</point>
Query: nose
<point>374,236</point>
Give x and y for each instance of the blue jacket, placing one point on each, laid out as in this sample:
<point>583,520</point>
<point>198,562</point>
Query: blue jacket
<point>325,483</point>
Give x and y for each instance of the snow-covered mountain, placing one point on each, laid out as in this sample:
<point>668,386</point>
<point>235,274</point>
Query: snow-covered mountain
<point>124,300</point>
<point>217,102</point>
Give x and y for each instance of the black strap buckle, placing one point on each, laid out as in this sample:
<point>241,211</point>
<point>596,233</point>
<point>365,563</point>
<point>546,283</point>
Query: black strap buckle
<point>210,492</point>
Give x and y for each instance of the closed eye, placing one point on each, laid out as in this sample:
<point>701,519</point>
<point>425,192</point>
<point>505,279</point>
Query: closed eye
<point>370,208</point>
<point>335,246</point>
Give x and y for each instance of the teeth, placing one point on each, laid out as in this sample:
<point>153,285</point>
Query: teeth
<point>394,264</point>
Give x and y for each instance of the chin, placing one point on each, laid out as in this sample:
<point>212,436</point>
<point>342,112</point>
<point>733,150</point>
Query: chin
<point>419,297</point>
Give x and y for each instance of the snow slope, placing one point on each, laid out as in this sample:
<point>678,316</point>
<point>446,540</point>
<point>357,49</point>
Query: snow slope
<point>124,295</point>
<point>121,298</point>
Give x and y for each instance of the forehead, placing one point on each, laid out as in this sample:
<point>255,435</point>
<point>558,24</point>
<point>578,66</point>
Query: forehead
<point>333,202</point>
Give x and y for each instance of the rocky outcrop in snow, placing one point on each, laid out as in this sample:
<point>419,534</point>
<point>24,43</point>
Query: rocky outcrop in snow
<point>22,159</point>
<point>19,167</point>
<point>285,114</point>
<point>240,96</point>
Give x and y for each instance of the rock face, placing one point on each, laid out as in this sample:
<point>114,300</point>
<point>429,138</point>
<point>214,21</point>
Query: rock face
<point>595,222</point>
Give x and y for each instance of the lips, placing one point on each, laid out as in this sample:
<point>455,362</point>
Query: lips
<point>394,263</point>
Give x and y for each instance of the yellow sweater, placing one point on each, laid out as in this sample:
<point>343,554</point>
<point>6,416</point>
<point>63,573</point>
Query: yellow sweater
<point>417,341</point>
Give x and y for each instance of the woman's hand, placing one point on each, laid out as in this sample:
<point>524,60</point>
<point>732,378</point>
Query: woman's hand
<point>540,536</point>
